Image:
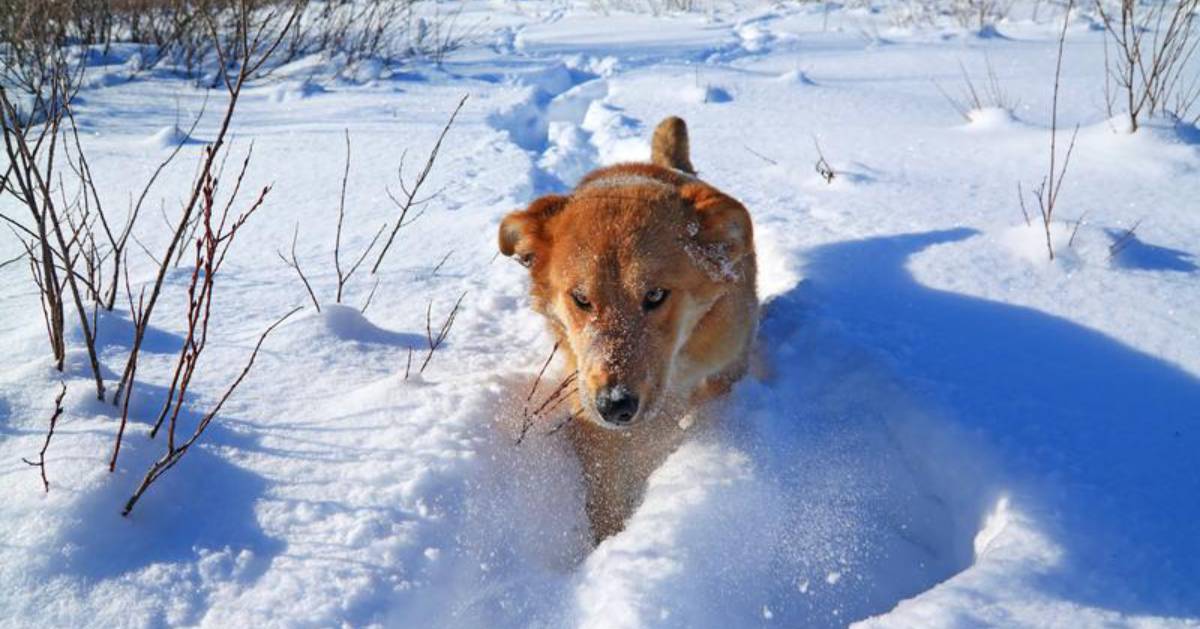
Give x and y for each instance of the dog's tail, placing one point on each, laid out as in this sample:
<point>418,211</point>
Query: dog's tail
<point>669,148</point>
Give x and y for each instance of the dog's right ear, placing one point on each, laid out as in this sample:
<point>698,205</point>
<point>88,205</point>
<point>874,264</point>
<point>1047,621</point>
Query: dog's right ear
<point>521,232</point>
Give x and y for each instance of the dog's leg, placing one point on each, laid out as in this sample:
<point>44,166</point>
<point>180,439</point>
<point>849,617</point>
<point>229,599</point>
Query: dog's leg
<point>604,473</point>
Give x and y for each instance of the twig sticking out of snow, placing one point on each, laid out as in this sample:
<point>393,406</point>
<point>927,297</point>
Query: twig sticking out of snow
<point>555,399</point>
<point>1078,223</point>
<point>344,275</point>
<point>991,94</point>
<point>294,264</point>
<point>1047,192</point>
<point>175,453</point>
<point>760,156</point>
<point>41,462</point>
<point>435,341</point>
<point>410,194</point>
<point>822,167</point>
<point>542,372</point>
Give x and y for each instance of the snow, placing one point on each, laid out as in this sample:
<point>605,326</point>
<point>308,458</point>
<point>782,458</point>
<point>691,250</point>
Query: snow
<point>942,428</point>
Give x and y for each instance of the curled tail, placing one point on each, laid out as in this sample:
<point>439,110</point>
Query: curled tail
<point>669,148</point>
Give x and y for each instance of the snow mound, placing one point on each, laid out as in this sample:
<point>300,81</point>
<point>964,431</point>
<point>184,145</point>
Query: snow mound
<point>990,119</point>
<point>168,138</point>
<point>795,77</point>
<point>705,94</point>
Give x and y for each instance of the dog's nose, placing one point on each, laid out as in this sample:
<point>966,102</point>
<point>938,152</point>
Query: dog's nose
<point>617,405</point>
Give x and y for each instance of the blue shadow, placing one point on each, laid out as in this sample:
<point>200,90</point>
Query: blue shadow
<point>1102,438</point>
<point>1133,253</point>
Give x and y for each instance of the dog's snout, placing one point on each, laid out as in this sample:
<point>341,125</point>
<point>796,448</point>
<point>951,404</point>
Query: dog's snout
<point>617,405</point>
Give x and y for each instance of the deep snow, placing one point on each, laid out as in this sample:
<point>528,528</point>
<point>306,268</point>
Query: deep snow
<point>948,430</point>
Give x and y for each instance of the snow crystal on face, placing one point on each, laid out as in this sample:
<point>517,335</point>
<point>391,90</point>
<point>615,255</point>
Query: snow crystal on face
<point>714,260</point>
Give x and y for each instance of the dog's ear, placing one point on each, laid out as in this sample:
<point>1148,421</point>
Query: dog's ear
<point>522,232</point>
<point>724,231</point>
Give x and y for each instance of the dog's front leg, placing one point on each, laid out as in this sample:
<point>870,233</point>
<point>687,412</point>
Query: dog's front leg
<point>611,491</point>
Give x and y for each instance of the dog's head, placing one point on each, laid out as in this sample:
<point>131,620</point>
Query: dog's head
<point>624,269</point>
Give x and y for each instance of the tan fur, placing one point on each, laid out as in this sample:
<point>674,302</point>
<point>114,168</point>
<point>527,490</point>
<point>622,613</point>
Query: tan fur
<point>623,232</point>
<point>669,146</point>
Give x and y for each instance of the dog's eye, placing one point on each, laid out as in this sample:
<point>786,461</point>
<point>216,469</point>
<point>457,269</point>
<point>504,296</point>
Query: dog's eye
<point>655,298</point>
<point>581,300</point>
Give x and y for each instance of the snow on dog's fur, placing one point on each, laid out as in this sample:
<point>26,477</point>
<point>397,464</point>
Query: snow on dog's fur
<point>646,276</point>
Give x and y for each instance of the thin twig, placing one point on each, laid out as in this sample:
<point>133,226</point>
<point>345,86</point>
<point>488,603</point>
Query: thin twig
<point>174,455</point>
<point>436,341</point>
<point>41,462</point>
<point>411,194</point>
<point>294,263</point>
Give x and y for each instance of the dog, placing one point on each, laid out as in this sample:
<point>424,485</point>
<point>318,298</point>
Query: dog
<point>646,277</point>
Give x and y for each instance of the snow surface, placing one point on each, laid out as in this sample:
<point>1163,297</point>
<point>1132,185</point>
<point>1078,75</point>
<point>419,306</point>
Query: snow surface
<point>947,429</point>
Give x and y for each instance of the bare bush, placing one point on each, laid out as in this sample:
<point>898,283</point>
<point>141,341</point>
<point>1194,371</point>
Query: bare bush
<point>343,273</point>
<point>1047,192</point>
<point>411,191</point>
<point>216,236</point>
<point>236,70</point>
<point>974,97</point>
<point>59,229</point>
<point>1154,43</point>
<point>980,14</point>
<point>654,7</point>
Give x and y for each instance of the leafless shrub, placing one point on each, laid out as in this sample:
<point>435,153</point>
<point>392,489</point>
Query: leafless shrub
<point>41,462</point>
<point>440,35</point>
<point>979,14</point>
<point>175,452</point>
<point>654,7</point>
<point>259,40</point>
<point>343,273</point>
<point>211,248</point>
<point>435,341</point>
<point>410,200</point>
<point>1154,43</point>
<point>59,230</point>
<point>1047,192</point>
<point>972,97</point>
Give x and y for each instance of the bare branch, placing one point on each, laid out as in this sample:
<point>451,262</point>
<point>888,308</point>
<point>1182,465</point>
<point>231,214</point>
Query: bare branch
<point>410,194</point>
<point>174,455</point>
<point>41,462</point>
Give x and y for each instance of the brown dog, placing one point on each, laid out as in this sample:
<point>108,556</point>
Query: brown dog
<point>645,275</point>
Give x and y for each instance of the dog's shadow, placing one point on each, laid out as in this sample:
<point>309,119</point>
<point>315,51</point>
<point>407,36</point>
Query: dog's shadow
<point>1103,436</point>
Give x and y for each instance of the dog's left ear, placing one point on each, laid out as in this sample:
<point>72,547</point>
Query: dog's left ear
<point>725,232</point>
<point>522,233</point>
